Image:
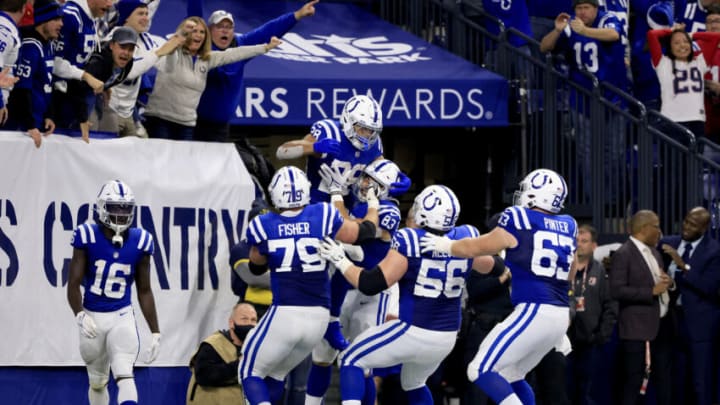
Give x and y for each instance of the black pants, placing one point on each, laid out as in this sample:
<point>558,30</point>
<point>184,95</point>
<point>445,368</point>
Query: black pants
<point>210,131</point>
<point>632,364</point>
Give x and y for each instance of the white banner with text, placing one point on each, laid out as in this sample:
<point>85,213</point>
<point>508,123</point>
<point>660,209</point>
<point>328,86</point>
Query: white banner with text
<point>193,197</point>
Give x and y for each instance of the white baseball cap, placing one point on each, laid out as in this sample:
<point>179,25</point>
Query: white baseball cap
<point>220,15</point>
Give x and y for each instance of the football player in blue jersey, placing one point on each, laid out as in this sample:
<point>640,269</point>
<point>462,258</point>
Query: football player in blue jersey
<point>539,245</point>
<point>431,287</point>
<point>359,311</point>
<point>108,258</point>
<point>287,242</point>
<point>347,146</point>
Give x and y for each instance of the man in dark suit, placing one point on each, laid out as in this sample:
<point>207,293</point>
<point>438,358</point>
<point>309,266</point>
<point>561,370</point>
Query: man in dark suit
<point>639,284</point>
<point>694,259</point>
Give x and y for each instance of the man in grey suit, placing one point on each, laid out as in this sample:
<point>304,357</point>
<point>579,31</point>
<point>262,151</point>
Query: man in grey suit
<point>694,258</point>
<point>640,284</point>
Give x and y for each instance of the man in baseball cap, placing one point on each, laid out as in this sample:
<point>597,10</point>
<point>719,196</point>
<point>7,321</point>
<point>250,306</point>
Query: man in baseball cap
<point>224,87</point>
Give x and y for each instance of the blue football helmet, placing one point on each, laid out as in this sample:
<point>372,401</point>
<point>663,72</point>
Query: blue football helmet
<point>289,188</point>
<point>364,112</point>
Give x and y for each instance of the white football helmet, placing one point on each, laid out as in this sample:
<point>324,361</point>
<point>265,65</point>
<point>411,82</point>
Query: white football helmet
<point>364,112</point>
<point>289,188</point>
<point>380,174</point>
<point>544,189</point>
<point>115,206</point>
<point>437,208</point>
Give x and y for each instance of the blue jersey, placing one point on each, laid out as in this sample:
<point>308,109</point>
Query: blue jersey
<point>431,289</point>
<point>350,162</point>
<point>375,249</point>
<point>646,86</point>
<point>298,275</point>
<point>540,263</point>
<point>606,60</point>
<point>224,88</point>
<point>693,15</point>
<point>110,271</point>
<point>34,70</point>
<point>78,38</point>
<point>513,14</point>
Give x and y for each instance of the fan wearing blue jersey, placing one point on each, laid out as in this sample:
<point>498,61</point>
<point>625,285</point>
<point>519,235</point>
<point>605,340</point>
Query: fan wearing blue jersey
<point>347,146</point>
<point>431,287</point>
<point>108,257</point>
<point>78,39</point>
<point>29,102</point>
<point>353,310</point>
<point>11,11</point>
<point>287,243</point>
<point>539,245</point>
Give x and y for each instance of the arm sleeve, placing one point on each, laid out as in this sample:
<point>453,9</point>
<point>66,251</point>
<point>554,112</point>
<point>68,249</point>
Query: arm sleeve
<point>653,38</point>
<point>142,65</point>
<point>262,34</point>
<point>231,55</point>
<point>211,370</point>
<point>371,282</point>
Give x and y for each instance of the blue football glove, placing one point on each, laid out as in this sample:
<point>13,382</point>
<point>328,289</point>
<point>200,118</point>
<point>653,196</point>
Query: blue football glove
<point>334,336</point>
<point>401,186</point>
<point>327,145</point>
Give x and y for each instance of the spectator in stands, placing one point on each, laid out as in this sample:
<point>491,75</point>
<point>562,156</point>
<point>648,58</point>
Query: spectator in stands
<point>11,11</point>
<point>646,15</point>
<point>712,79</point>
<point>224,88</point>
<point>593,313</point>
<point>513,15</point>
<point>591,43</point>
<point>29,103</point>
<point>114,64</point>
<point>694,14</point>
<point>680,72</point>
<point>214,366</point>
<point>640,285</point>
<point>118,115</point>
<point>181,77</point>
<point>77,42</point>
<point>693,258</point>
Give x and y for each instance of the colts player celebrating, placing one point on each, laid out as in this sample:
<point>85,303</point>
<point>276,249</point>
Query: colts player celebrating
<point>361,123</point>
<point>107,259</point>
<point>287,242</point>
<point>431,287</point>
<point>359,311</point>
<point>540,245</point>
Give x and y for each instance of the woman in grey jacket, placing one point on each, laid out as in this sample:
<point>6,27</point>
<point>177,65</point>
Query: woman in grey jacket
<point>181,77</point>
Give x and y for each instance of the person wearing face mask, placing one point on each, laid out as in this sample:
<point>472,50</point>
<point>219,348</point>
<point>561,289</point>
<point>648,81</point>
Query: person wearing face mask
<point>214,365</point>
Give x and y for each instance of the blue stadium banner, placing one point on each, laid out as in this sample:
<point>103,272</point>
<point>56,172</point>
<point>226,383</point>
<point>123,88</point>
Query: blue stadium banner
<point>344,50</point>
